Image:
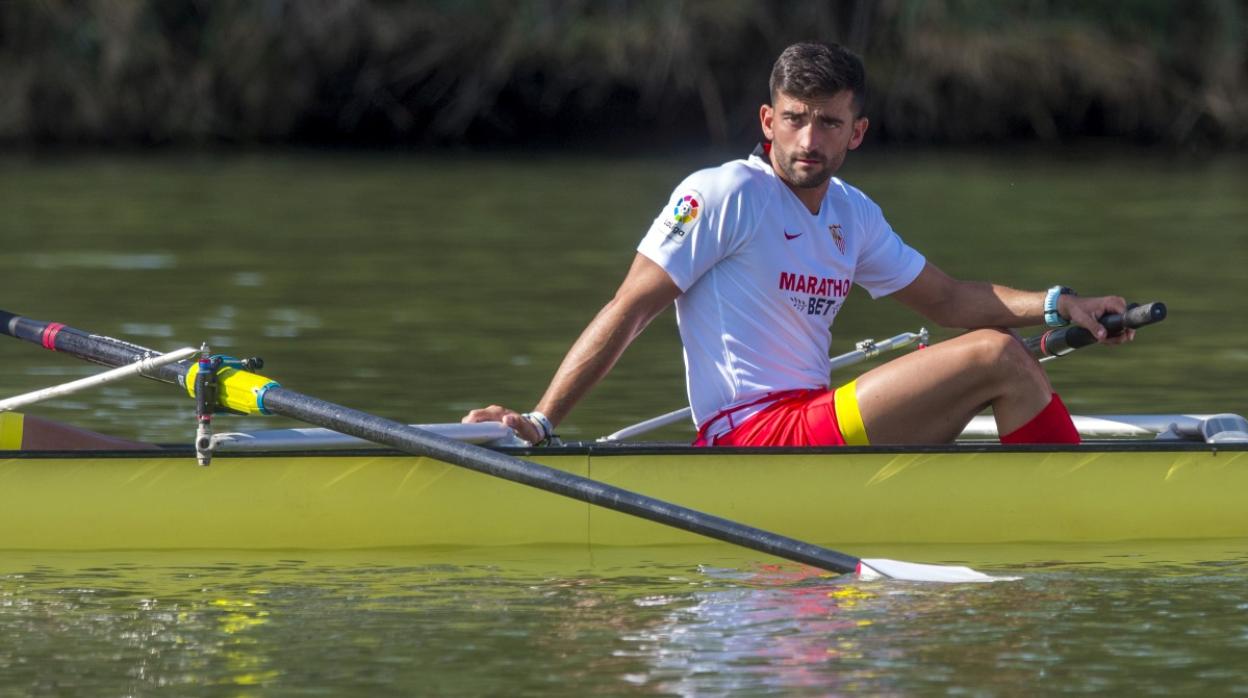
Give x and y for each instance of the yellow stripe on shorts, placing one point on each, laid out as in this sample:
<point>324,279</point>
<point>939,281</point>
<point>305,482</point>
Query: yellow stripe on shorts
<point>11,431</point>
<point>848,416</point>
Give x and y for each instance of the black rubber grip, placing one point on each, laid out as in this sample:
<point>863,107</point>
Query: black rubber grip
<point>1066,339</point>
<point>6,319</point>
<point>1136,316</point>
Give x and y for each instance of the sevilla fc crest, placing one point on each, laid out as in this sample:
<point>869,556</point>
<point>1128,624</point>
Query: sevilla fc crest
<point>837,236</point>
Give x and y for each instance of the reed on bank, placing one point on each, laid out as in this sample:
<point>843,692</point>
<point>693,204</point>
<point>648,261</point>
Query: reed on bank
<point>575,71</point>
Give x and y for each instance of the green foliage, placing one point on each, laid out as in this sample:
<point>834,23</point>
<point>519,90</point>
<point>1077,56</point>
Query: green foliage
<point>569,71</point>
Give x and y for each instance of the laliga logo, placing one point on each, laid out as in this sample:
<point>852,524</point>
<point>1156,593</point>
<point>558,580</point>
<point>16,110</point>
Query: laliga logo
<point>686,209</point>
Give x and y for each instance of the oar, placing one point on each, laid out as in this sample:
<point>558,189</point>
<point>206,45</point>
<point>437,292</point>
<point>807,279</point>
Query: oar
<point>244,391</point>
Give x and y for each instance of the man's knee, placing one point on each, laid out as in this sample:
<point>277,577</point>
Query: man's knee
<point>1001,350</point>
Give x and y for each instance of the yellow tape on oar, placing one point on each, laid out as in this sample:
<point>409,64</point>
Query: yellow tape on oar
<point>238,391</point>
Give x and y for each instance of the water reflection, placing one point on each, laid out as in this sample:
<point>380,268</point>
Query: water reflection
<point>784,631</point>
<point>540,621</point>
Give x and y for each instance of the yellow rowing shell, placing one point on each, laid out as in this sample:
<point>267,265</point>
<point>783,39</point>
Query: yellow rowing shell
<point>990,494</point>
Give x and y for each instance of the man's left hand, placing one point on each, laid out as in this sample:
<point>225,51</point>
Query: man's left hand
<point>1084,311</point>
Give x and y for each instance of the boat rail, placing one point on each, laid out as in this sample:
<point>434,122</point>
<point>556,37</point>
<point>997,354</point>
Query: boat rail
<point>494,434</point>
<point>1208,428</point>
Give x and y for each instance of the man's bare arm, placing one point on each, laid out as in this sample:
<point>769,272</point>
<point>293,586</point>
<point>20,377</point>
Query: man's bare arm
<point>646,291</point>
<point>973,304</point>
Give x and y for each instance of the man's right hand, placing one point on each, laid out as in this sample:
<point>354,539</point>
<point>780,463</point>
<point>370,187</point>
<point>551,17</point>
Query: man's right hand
<point>497,413</point>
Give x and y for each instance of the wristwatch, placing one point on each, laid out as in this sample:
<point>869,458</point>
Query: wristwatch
<point>1051,317</point>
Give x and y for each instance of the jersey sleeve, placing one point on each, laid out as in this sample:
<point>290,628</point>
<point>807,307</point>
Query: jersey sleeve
<point>886,264</point>
<point>706,219</point>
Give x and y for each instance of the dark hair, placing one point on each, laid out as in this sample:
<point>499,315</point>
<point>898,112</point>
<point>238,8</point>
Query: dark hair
<point>814,70</point>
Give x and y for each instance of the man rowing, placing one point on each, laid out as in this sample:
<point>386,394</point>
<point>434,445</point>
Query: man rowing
<point>758,256</point>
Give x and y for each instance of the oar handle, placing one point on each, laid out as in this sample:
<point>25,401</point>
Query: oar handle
<point>1064,340</point>
<point>97,349</point>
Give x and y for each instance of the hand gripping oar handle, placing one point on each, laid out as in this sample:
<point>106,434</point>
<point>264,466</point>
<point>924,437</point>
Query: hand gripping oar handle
<point>1064,340</point>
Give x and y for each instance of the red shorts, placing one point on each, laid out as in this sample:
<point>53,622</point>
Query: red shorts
<point>818,417</point>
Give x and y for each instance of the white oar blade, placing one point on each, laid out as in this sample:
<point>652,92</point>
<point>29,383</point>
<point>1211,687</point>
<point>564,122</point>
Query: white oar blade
<point>918,572</point>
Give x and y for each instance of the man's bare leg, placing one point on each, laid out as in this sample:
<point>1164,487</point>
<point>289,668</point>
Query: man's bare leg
<point>929,396</point>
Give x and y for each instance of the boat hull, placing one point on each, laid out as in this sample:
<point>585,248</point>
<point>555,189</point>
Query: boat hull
<point>372,499</point>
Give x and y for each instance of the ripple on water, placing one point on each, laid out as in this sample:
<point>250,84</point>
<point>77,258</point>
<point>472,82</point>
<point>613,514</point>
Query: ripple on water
<point>117,261</point>
<point>536,621</point>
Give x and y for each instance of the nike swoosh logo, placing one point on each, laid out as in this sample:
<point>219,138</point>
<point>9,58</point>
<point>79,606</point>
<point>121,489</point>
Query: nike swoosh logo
<point>790,236</point>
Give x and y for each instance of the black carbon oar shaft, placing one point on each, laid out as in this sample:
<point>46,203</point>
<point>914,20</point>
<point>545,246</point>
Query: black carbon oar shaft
<point>424,443</point>
<point>115,352</point>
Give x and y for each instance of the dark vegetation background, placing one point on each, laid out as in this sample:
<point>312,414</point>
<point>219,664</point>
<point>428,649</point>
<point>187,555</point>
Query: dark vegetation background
<point>609,72</point>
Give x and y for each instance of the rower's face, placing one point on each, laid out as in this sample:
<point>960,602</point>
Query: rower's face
<point>810,138</point>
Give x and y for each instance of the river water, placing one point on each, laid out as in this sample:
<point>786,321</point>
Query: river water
<point>419,286</point>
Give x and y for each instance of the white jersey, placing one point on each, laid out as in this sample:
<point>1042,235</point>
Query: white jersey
<point>763,279</point>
